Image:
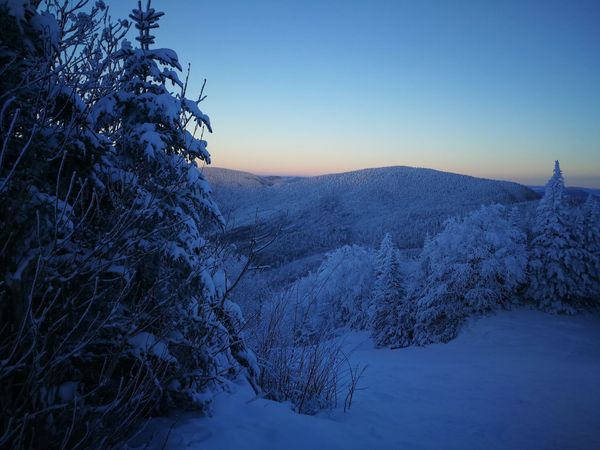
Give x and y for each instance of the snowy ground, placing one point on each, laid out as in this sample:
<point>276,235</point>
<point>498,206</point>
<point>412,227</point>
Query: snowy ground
<point>518,380</point>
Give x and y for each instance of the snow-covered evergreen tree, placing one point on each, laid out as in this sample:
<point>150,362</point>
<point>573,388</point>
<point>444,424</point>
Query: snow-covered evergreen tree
<point>590,246</point>
<point>60,283</point>
<point>155,161</point>
<point>391,322</point>
<point>382,258</point>
<point>475,265</point>
<point>112,303</point>
<point>556,267</point>
<point>344,281</point>
<point>515,217</point>
<point>333,297</point>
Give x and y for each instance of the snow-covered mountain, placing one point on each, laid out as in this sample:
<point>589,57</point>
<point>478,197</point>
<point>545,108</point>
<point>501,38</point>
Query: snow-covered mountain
<point>324,212</point>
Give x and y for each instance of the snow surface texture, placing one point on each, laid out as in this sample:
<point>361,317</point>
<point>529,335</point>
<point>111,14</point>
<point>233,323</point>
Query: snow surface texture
<point>319,214</point>
<point>517,380</point>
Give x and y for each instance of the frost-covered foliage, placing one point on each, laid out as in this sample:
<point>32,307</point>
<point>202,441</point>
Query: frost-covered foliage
<point>483,262</point>
<point>300,363</point>
<point>392,316</point>
<point>557,262</point>
<point>474,265</point>
<point>589,228</point>
<point>295,331</point>
<point>337,295</point>
<point>148,125</point>
<point>112,299</point>
<point>309,373</point>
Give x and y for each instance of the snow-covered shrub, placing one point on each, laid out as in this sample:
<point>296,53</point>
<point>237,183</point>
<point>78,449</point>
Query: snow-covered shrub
<point>391,315</point>
<point>557,267</point>
<point>112,300</point>
<point>474,265</point>
<point>313,374</point>
<point>296,331</point>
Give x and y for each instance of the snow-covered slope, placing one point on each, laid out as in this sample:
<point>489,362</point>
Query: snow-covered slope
<point>518,380</point>
<point>324,212</point>
<point>226,178</point>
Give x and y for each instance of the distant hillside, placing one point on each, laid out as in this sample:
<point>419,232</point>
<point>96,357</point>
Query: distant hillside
<point>324,212</point>
<point>575,192</point>
<point>228,178</point>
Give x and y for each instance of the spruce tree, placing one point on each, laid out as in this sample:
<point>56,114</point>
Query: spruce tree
<point>155,161</point>
<point>382,257</point>
<point>391,317</point>
<point>556,264</point>
<point>113,299</point>
<point>590,246</point>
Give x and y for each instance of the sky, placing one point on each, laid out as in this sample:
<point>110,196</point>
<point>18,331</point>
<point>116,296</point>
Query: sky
<point>497,89</point>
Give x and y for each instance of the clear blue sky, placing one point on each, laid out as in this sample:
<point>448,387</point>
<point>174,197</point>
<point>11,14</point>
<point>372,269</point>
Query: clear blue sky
<point>488,88</point>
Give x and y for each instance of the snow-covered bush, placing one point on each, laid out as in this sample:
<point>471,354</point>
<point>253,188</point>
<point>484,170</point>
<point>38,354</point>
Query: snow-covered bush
<point>112,299</point>
<point>474,265</point>
<point>313,374</point>
<point>391,316</point>
<point>296,331</point>
<point>557,267</point>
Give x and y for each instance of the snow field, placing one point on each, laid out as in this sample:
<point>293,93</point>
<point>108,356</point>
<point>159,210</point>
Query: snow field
<point>518,380</point>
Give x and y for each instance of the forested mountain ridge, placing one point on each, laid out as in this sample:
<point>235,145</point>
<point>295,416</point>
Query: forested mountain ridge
<point>323,212</point>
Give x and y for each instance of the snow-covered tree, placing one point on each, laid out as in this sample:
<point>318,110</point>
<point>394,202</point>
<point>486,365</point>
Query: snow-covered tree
<point>474,265</point>
<point>515,217</point>
<point>344,281</point>
<point>589,241</point>
<point>60,283</point>
<point>112,300</point>
<point>391,321</point>
<point>382,259</point>
<point>155,163</point>
<point>556,267</point>
<point>334,296</point>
